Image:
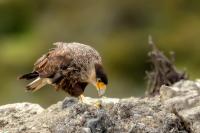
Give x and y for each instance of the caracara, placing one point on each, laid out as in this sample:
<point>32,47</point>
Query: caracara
<point>70,67</point>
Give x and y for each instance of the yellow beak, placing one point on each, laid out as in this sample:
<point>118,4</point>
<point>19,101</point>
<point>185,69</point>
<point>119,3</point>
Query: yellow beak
<point>101,87</point>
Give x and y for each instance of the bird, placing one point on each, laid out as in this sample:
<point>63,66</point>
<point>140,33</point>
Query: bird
<point>69,67</point>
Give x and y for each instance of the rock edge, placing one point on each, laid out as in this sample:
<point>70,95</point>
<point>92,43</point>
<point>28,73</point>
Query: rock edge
<point>175,110</point>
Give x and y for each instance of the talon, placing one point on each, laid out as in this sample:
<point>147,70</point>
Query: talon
<point>83,99</point>
<point>98,104</point>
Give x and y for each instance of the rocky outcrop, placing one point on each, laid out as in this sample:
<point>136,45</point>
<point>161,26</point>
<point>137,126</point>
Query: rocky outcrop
<point>184,98</point>
<point>175,110</point>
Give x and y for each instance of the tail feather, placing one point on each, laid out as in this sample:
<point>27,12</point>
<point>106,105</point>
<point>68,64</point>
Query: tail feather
<point>36,84</point>
<point>29,76</point>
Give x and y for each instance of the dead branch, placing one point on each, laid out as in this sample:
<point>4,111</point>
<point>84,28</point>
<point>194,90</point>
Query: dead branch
<point>163,70</point>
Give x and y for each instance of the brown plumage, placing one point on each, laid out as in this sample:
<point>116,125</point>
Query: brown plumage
<point>69,66</point>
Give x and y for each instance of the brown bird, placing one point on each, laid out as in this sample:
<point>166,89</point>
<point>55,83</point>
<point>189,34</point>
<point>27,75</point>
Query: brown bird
<point>70,67</point>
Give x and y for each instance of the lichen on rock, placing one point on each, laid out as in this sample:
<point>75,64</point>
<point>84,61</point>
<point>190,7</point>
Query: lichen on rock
<point>131,115</point>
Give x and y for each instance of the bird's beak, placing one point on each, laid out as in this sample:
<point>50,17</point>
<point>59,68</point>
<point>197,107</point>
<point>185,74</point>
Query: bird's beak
<point>101,87</point>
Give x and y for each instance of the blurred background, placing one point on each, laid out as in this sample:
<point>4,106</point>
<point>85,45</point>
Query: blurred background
<point>117,29</point>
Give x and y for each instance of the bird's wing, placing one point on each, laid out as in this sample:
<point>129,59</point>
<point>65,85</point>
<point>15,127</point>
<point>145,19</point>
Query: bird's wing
<point>52,62</point>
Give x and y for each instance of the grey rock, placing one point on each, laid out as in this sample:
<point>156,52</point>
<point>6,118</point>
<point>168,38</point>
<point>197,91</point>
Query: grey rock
<point>175,110</point>
<point>184,97</point>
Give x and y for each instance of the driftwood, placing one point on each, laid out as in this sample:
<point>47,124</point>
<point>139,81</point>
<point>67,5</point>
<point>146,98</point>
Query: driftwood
<point>163,70</point>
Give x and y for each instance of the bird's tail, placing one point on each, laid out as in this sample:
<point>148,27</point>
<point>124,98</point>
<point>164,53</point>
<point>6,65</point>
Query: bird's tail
<point>29,76</point>
<point>36,84</point>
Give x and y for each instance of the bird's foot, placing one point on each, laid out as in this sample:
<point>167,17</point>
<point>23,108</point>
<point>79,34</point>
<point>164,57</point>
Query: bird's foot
<point>96,103</point>
<point>84,100</point>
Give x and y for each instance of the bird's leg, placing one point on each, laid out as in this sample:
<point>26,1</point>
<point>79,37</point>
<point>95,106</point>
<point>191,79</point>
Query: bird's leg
<point>56,87</point>
<point>81,98</point>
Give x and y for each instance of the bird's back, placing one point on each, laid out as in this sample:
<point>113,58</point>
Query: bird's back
<point>80,53</point>
<point>79,50</point>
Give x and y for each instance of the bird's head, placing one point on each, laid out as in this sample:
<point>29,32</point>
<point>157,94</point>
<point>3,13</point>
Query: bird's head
<point>99,79</point>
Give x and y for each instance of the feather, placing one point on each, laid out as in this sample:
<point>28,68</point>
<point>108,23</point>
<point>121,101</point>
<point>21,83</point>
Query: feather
<point>37,84</point>
<point>29,76</point>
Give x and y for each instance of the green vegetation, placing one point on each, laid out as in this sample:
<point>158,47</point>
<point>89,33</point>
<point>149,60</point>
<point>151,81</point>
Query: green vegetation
<point>117,29</point>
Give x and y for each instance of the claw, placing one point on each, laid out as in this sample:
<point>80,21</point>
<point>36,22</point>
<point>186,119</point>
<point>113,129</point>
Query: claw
<point>96,103</point>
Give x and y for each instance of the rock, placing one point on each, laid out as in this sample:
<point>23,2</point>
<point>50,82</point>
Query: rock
<point>184,97</point>
<point>14,116</point>
<point>175,110</point>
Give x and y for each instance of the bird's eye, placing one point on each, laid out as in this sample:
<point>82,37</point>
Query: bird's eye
<point>98,80</point>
